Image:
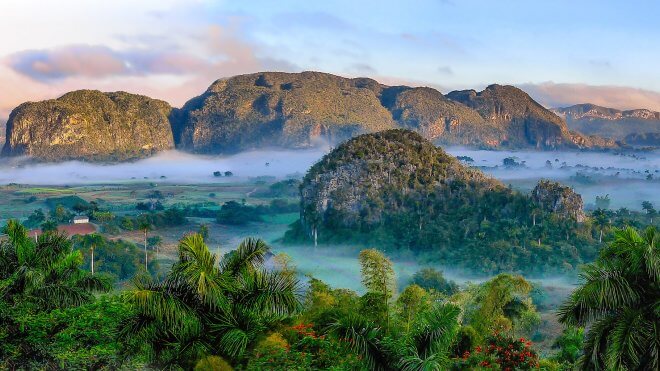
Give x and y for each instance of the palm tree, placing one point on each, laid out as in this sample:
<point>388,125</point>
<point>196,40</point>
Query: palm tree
<point>425,347</point>
<point>145,227</point>
<point>203,307</point>
<point>602,220</point>
<point>619,304</point>
<point>45,273</point>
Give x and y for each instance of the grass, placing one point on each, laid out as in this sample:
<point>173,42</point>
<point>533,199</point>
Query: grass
<point>44,190</point>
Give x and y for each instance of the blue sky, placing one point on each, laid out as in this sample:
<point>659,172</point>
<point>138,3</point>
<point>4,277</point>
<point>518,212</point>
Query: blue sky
<point>561,52</point>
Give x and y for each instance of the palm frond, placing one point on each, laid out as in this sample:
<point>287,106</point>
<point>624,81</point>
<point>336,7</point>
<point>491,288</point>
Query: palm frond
<point>364,339</point>
<point>250,255</point>
<point>270,292</point>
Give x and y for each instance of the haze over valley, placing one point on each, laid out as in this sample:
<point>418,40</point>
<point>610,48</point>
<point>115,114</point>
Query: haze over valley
<point>337,185</point>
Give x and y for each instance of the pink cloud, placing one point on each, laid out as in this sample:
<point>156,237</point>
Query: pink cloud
<point>173,76</point>
<point>559,95</point>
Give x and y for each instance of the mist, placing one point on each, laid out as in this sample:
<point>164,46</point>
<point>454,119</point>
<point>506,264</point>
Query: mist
<point>165,167</point>
<point>623,176</point>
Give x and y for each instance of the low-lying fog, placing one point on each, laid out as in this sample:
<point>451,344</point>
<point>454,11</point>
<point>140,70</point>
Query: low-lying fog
<point>629,179</point>
<point>169,166</point>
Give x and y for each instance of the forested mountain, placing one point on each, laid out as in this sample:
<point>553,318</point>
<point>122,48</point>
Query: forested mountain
<point>90,125</point>
<point>281,110</point>
<point>636,127</point>
<point>397,190</point>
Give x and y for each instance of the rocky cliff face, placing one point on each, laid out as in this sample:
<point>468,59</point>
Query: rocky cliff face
<point>369,173</point>
<point>556,198</point>
<point>300,109</point>
<point>89,125</point>
<point>521,120</point>
<point>290,110</point>
<point>280,110</point>
<point>611,123</point>
<point>396,190</point>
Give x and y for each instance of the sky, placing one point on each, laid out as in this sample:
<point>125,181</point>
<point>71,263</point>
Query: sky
<point>561,52</point>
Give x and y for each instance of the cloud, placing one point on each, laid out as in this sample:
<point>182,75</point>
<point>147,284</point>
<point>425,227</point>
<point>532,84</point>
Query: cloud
<point>94,61</point>
<point>446,70</point>
<point>553,94</point>
<point>361,68</point>
<point>164,70</point>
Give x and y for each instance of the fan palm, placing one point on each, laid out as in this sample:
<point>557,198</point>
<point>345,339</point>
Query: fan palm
<point>205,307</point>
<point>425,347</point>
<point>45,273</point>
<point>620,303</point>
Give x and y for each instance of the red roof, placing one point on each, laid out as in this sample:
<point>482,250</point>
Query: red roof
<point>70,229</point>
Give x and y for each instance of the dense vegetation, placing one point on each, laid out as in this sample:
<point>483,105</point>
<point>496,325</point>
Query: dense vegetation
<point>233,312</point>
<point>396,190</point>
<point>91,125</point>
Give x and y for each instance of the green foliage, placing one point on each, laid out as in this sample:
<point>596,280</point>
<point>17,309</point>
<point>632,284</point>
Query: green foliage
<point>80,337</point>
<point>36,280</point>
<point>398,191</point>
<point>618,301</point>
<point>500,304</point>
<point>204,308</point>
<point>569,345</point>
<point>431,279</point>
<point>234,213</point>
<point>118,258</point>
<point>35,219</point>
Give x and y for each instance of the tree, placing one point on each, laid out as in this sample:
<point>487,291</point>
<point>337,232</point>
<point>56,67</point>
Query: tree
<point>145,226</point>
<point>500,304</point>
<point>49,226</point>
<point>203,308</point>
<point>378,276</point>
<point>650,210</point>
<point>425,347</point>
<point>412,301</point>
<point>603,202</point>
<point>569,345</point>
<point>618,303</point>
<point>431,279</point>
<point>204,231</point>
<point>35,279</point>
<point>602,220</point>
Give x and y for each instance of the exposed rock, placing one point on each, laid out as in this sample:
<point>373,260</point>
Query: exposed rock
<point>89,125</point>
<point>609,122</point>
<point>301,109</point>
<point>364,175</point>
<point>522,121</point>
<point>554,197</point>
<point>281,110</point>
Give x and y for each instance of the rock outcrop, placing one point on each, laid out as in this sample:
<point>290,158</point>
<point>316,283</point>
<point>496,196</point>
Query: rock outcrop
<point>300,109</point>
<point>293,110</point>
<point>612,123</point>
<point>89,125</point>
<point>559,199</point>
<point>523,122</point>
<point>367,174</point>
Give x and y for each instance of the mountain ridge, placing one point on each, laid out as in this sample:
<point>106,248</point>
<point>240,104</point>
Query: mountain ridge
<point>296,110</point>
<point>625,125</point>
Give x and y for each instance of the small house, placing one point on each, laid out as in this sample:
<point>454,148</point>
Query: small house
<point>80,219</point>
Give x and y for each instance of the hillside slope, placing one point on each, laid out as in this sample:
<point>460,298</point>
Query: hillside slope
<point>397,191</point>
<point>300,109</point>
<point>89,125</point>
<point>612,123</point>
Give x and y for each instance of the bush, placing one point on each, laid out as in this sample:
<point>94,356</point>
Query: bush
<point>234,213</point>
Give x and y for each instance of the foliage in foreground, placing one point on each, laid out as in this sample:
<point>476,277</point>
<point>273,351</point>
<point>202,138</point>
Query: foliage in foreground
<point>620,303</point>
<point>204,308</point>
<point>42,289</point>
